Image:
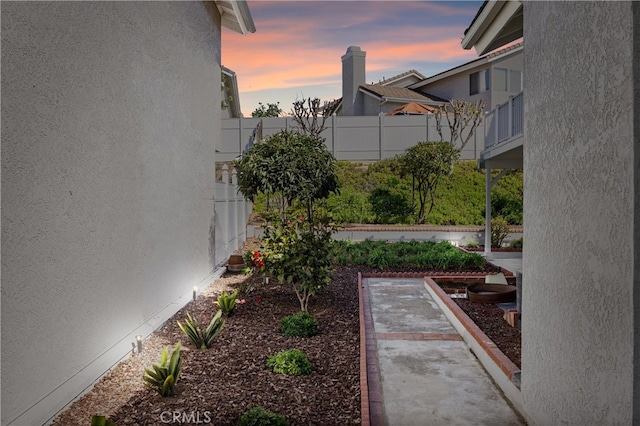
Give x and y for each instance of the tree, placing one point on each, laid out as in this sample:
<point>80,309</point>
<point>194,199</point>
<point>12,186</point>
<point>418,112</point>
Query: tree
<point>302,170</point>
<point>311,116</point>
<point>270,110</point>
<point>463,117</point>
<point>296,166</point>
<point>427,162</point>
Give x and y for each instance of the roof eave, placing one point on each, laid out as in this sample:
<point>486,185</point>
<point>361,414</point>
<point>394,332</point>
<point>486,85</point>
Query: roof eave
<point>236,16</point>
<point>499,23</point>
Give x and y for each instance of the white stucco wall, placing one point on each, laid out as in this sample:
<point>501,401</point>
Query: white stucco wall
<point>581,181</point>
<point>110,113</point>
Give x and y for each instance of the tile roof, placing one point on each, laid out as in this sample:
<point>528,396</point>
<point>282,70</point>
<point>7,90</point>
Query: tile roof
<point>399,76</point>
<point>399,93</point>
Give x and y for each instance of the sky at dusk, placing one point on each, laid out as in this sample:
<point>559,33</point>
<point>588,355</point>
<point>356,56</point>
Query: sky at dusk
<point>296,49</point>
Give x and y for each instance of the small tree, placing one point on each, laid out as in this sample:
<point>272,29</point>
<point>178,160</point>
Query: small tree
<point>303,171</point>
<point>463,117</point>
<point>270,110</point>
<point>311,115</point>
<point>427,163</point>
<point>296,166</point>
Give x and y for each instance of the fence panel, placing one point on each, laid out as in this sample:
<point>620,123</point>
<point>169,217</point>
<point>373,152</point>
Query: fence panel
<point>231,213</point>
<point>361,138</point>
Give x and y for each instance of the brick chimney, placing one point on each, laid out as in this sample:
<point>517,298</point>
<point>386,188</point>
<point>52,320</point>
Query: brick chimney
<point>353,75</point>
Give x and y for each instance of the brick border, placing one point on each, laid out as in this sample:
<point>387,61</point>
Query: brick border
<point>502,361</point>
<point>371,403</point>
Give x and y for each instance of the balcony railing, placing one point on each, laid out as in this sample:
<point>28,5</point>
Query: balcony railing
<point>505,121</point>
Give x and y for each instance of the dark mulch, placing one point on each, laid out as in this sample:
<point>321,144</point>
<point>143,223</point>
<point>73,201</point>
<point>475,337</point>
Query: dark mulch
<point>217,385</point>
<point>224,381</point>
<point>489,318</point>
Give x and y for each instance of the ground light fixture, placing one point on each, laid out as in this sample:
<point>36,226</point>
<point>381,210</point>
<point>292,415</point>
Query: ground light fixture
<point>195,291</point>
<point>139,342</point>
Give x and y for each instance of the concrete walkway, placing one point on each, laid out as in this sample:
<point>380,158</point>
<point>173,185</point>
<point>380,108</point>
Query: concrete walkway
<point>420,372</point>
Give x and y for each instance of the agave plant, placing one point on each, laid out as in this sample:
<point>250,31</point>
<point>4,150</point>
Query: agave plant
<point>202,339</point>
<point>164,376</point>
<point>227,302</point>
<point>101,421</point>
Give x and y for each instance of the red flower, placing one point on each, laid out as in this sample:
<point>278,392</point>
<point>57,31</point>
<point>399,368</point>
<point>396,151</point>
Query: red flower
<point>258,299</point>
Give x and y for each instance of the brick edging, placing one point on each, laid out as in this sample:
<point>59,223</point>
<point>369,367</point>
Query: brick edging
<point>502,361</point>
<point>365,419</point>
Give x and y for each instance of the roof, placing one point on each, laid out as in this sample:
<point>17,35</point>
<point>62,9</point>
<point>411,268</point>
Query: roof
<point>496,24</point>
<point>469,65</point>
<point>399,93</point>
<point>395,78</point>
<point>412,108</point>
<point>236,16</point>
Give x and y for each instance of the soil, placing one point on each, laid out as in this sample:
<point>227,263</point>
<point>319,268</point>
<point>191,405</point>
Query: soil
<point>218,384</point>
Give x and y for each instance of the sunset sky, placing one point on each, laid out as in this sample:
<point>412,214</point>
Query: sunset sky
<point>296,49</point>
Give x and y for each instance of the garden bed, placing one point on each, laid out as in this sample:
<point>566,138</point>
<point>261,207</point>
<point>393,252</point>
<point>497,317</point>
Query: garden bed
<point>220,383</point>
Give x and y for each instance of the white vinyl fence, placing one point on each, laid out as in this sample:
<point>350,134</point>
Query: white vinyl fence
<point>231,214</point>
<point>368,138</point>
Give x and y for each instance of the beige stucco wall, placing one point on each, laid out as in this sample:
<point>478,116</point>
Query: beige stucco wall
<point>110,112</point>
<point>581,168</point>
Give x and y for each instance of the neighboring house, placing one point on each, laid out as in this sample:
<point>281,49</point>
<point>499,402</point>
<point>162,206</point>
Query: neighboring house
<point>110,118</point>
<point>492,78</point>
<point>359,98</point>
<point>580,152</point>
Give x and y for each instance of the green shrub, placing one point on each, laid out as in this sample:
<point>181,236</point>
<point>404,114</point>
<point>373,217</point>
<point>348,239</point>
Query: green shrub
<point>389,207</point>
<point>202,339</point>
<point>292,362</point>
<point>499,231</point>
<point>516,244</point>
<point>258,416</point>
<point>101,421</point>
<point>164,375</point>
<point>300,324</point>
<point>419,254</point>
<point>227,302</point>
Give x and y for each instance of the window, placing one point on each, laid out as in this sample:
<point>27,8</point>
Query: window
<point>515,81</point>
<point>479,82</point>
<point>500,79</point>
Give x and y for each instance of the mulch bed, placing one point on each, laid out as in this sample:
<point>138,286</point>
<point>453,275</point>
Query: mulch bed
<point>489,318</point>
<point>218,384</point>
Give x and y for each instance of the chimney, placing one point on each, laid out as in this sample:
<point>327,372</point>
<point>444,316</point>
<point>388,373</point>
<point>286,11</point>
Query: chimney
<point>353,76</point>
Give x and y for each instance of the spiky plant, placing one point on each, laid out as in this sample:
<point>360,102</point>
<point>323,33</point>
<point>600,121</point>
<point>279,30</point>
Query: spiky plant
<point>202,339</point>
<point>164,376</point>
<point>227,302</point>
<point>101,421</point>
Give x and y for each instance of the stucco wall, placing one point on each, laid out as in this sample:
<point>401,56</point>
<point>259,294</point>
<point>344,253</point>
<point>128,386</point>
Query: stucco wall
<point>110,112</point>
<point>578,263</point>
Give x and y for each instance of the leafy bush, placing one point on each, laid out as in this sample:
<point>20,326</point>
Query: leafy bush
<point>164,376</point>
<point>389,207</point>
<point>202,339</point>
<point>516,244</point>
<point>292,362</point>
<point>227,302</point>
<point>418,254</point>
<point>101,421</point>
<point>300,324</point>
<point>258,416</point>
<point>499,231</point>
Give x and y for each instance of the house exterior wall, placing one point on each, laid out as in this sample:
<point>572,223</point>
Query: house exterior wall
<point>457,87</point>
<point>110,112</point>
<point>580,264</point>
<point>513,62</point>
